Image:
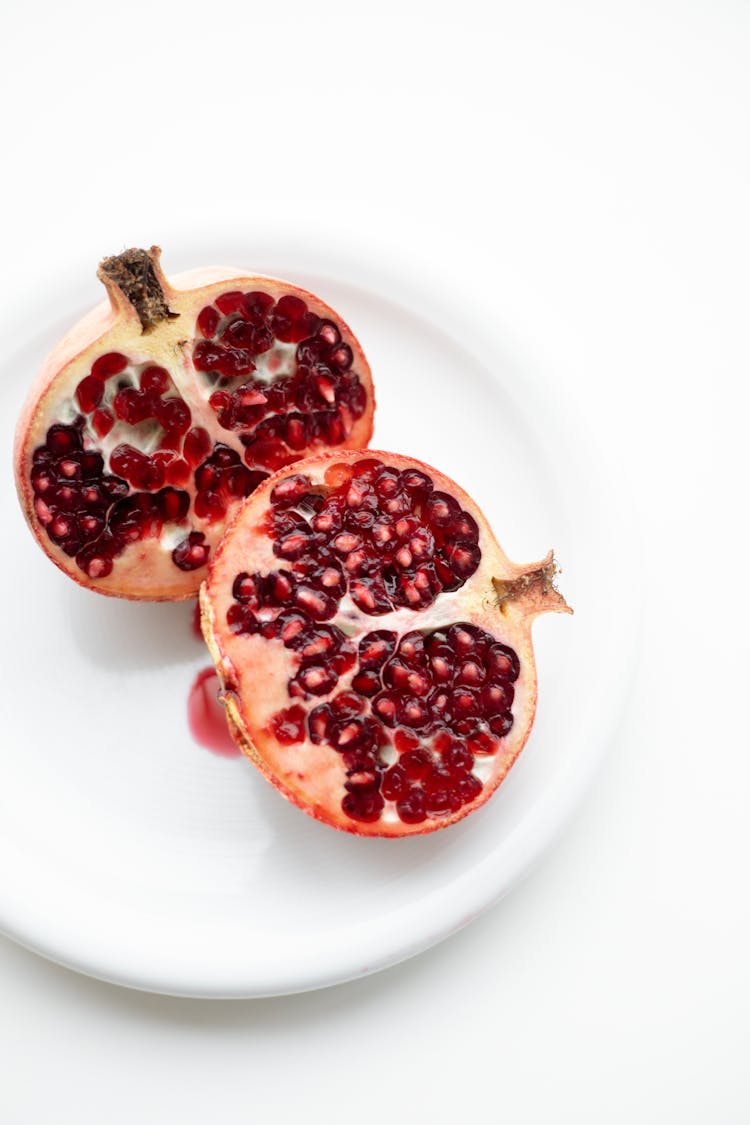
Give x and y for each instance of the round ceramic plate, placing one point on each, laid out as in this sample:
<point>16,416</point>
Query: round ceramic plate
<point>129,852</point>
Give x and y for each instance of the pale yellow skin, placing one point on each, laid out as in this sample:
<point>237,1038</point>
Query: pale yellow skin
<point>501,597</point>
<point>145,570</point>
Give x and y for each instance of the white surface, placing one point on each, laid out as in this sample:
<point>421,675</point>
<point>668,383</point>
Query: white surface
<point>583,171</point>
<point>196,852</point>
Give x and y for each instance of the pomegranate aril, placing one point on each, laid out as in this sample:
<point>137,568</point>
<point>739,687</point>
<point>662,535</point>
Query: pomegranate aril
<point>482,743</point>
<point>289,725</point>
<point>290,491</point>
<point>63,439</point>
<point>367,683</point>
<point>341,357</point>
<point>503,662</point>
<point>320,642</point>
<point>102,421</point>
<point>375,648</point>
<point>256,306</point>
<point>93,562</point>
<point>370,596</point>
<point>500,725</point>
<point>318,605</point>
<point>132,406</point>
<point>457,759</point>
<point>385,706</point>
<point>463,559</point>
<point>365,806</point>
<point>497,697</point>
<point>208,321</point>
<point>89,393</point>
<point>241,619</point>
<point>177,472</point>
<point>209,506</point>
<point>173,504</point>
<point>318,722</point>
<point>315,679</point>
<point>412,712</point>
<point>192,553</point>
<point>468,788</point>
<point>155,379</point>
<point>173,415</point>
<point>394,784</point>
<point>411,808</point>
<point>113,363</point>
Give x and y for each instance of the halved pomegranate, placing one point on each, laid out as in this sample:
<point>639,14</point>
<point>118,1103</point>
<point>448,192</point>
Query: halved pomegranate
<point>374,642</point>
<point>156,416</point>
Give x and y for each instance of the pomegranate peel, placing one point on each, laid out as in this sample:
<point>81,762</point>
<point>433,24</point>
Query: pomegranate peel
<point>159,412</point>
<point>373,642</point>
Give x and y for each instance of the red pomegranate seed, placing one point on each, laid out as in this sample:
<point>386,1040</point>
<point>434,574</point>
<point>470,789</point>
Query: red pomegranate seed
<point>155,379</point>
<point>229,303</point>
<point>208,321</point>
<point>89,393</point>
<point>102,422</point>
<point>177,472</point>
<point>108,365</point>
<point>411,808</point>
<point>192,553</point>
<point>196,446</point>
<point>289,725</point>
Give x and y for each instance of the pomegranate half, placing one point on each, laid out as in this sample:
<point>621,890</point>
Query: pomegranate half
<point>373,642</point>
<point>158,414</point>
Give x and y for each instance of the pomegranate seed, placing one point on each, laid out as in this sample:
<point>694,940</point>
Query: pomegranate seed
<point>503,662</point>
<point>132,406</point>
<point>89,393</point>
<point>365,806</point>
<point>289,725</point>
<point>395,784</point>
<point>209,506</point>
<point>208,321</point>
<point>229,303</point>
<point>108,365</point>
<point>192,553</point>
<point>62,440</point>
<point>102,422</point>
<point>241,620</point>
<point>196,446</point>
<point>501,724</point>
<point>411,808</point>
<point>173,415</point>
<point>469,788</point>
<point>177,472</point>
<point>256,306</point>
<point>341,357</point>
<point>173,505</point>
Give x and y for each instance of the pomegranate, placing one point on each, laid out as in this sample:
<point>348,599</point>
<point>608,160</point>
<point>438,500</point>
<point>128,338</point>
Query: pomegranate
<point>373,642</point>
<point>156,416</point>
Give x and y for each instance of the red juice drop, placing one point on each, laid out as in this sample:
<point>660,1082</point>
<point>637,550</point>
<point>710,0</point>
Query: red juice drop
<point>206,716</point>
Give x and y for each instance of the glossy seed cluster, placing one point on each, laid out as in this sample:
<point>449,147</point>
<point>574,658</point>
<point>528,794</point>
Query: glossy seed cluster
<point>282,377</point>
<point>387,537</point>
<point>438,701</point>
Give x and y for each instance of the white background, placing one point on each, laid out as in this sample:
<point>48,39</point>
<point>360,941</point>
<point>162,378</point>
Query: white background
<point>588,165</point>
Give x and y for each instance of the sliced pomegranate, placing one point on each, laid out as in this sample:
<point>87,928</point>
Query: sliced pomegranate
<point>374,642</point>
<point>153,419</point>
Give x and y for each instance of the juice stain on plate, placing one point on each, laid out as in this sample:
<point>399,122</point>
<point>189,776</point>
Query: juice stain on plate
<point>206,717</point>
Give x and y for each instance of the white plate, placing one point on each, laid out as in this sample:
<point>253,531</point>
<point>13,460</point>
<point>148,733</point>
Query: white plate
<point>130,853</point>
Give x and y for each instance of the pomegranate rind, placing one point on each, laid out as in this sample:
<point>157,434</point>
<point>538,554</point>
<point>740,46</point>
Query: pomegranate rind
<point>145,571</point>
<point>501,597</point>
